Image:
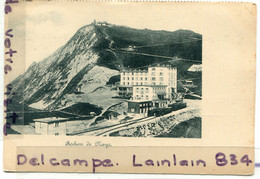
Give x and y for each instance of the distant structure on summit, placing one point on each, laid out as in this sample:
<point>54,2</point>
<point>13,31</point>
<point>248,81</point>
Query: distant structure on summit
<point>103,23</point>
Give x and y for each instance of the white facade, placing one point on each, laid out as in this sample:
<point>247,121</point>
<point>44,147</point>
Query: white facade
<point>148,93</point>
<point>135,77</point>
<point>155,75</point>
<point>164,75</point>
<point>48,126</point>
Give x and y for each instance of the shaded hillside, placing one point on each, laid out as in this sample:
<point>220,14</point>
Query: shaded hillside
<point>82,109</point>
<point>186,129</point>
<point>181,43</point>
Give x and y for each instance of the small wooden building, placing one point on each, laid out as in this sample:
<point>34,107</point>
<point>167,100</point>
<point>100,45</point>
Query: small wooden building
<point>111,115</point>
<point>51,126</point>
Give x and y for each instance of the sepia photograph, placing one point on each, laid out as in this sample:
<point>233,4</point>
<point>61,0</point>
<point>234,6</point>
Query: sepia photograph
<point>129,87</point>
<point>111,80</point>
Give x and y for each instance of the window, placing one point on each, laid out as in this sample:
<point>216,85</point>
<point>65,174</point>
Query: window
<point>136,78</point>
<point>161,78</point>
<point>153,73</point>
<point>132,73</point>
<point>145,78</point>
<point>141,78</point>
<point>146,97</point>
<point>56,124</point>
<point>153,83</point>
<point>124,73</point>
<point>141,74</point>
<point>161,73</point>
<point>136,83</point>
<point>146,90</point>
<point>137,90</point>
<point>141,83</point>
<point>132,83</point>
<point>153,78</point>
<point>123,83</point>
<point>127,83</point>
<point>123,78</point>
<point>56,133</point>
<point>153,69</point>
<point>133,78</point>
<point>127,78</point>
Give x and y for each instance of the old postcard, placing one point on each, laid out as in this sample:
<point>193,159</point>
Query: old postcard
<point>129,87</point>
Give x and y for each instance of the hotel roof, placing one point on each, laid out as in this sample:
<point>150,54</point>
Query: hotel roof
<point>135,70</point>
<point>139,101</point>
<point>146,70</point>
<point>50,120</point>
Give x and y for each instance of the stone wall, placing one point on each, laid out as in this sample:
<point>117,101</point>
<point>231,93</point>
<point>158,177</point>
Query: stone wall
<point>159,125</point>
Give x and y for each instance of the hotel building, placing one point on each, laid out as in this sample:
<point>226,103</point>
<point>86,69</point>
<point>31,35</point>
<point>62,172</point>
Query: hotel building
<point>149,88</point>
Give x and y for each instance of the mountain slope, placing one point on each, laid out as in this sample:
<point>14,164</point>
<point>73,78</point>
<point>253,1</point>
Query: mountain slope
<point>95,54</point>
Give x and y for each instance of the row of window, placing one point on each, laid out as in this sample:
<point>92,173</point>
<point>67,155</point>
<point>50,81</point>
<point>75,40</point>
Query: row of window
<point>161,83</point>
<point>145,83</point>
<point>142,89</point>
<point>141,78</point>
<point>141,97</point>
<point>134,73</point>
<point>154,79</point>
<point>145,73</point>
<point>161,74</point>
<point>160,88</point>
<point>153,73</point>
<point>136,83</point>
<point>145,105</point>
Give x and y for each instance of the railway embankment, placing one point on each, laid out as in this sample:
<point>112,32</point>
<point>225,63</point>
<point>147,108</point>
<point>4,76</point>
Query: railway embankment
<point>159,125</point>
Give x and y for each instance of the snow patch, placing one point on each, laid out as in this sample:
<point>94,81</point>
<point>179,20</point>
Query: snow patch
<point>39,105</point>
<point>195,68</point>
<point>98,76</point>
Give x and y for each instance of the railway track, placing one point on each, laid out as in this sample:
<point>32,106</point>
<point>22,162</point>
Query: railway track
<point>112,127</point>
